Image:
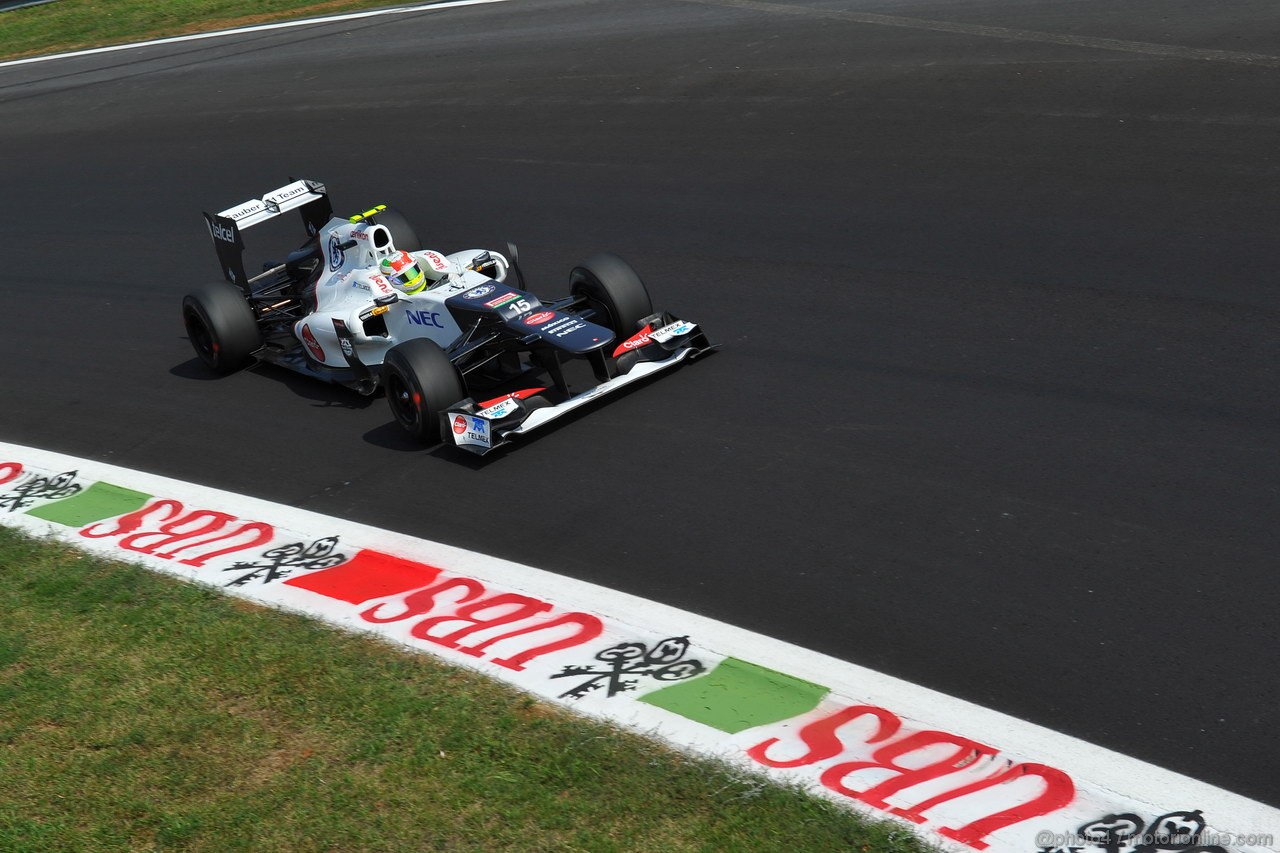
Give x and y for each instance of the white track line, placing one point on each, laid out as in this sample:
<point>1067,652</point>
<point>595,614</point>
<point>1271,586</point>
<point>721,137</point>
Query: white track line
<point>280,25</point>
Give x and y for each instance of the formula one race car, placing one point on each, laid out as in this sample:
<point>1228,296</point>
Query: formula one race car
<point>460,350</point>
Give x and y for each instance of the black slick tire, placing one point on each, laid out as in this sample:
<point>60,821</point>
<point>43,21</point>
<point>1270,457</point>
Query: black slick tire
<point>614,290</point>
<point>221,326</point>
<point>420,383</point>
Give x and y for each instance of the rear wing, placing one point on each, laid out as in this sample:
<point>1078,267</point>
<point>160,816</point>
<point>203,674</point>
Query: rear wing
<point>309,197</point>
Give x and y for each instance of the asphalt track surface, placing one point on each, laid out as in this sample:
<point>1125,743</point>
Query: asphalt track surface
<point>996,408</point>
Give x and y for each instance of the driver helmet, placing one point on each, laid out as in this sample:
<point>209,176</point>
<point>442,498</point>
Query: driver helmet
<point>403,271</point>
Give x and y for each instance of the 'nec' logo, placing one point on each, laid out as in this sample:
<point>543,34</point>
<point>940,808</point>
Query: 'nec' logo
<point>424,318</point>
<point>223,233</point>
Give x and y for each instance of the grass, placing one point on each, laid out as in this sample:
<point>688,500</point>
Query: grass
<point>138,713</point>
<point>74,24</point>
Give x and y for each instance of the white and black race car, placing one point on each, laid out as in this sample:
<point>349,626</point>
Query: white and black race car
<point>471,356</point>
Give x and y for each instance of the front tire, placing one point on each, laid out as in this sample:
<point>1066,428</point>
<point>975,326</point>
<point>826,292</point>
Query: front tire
<point>614,290</point>
<point>221,326</point>
<point>421,383</point>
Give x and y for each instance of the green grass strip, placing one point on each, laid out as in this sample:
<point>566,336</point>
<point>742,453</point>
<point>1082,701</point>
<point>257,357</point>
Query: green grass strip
<point>76,24</point>
<point>738,695</point>
<point>140,713</point>
<point>99,501</point>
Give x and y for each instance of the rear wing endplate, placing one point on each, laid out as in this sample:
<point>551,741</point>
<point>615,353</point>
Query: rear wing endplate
<point>309,197</point>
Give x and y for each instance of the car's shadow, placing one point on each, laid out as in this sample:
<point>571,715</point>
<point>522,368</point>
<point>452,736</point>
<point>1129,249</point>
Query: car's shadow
<point>392,437</point>
<point>389,435</point>
<point>323,394</point>
<point>193,369</point>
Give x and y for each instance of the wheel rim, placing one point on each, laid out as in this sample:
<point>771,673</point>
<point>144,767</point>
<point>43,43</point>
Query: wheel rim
<point>605,311</point>
<point>201,336</point>
<point>592,292</point>
<point>401,396</point>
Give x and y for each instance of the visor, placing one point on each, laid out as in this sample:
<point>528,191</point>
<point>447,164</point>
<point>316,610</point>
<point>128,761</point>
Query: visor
<point>410,278</point>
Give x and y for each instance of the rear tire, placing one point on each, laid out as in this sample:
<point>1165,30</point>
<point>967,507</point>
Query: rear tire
<point>403,237</point>
<point>421,383</point>
<point>614,290</point>
<point>221,326</point>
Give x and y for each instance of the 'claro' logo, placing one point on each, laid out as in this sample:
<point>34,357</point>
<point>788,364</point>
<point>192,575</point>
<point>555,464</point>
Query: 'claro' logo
<point>313,346</point>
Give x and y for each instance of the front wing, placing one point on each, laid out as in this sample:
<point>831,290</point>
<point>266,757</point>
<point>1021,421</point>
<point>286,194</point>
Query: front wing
<point>481,430</point>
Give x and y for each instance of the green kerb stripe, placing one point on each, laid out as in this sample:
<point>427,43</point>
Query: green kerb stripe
<point>738,695</point>
<point>99,501</point>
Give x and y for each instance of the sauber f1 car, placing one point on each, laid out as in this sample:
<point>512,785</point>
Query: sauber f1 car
<point>464,353</point>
